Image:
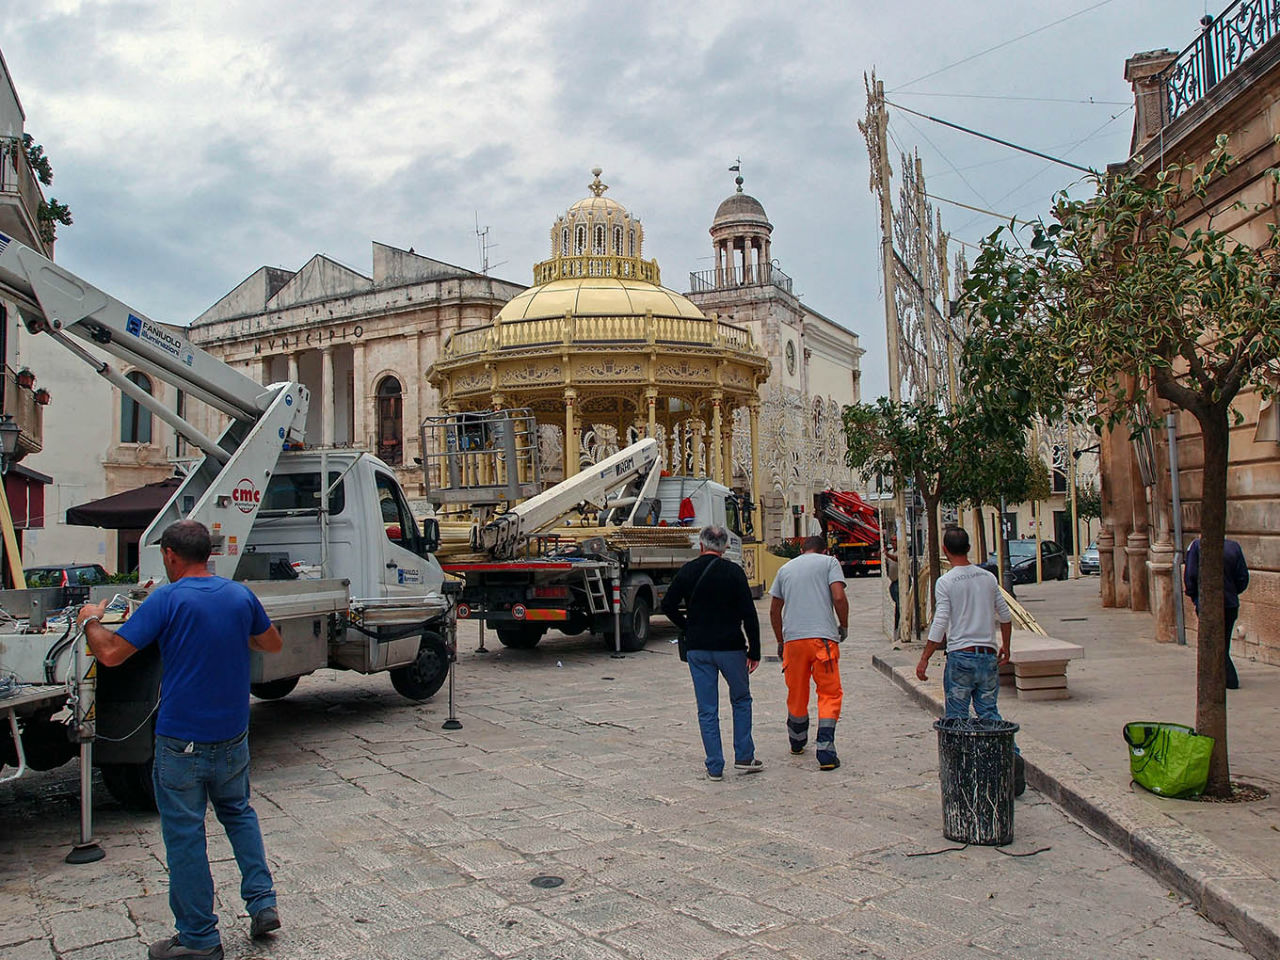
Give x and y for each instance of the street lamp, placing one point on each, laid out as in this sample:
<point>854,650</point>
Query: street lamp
<point>9,434</point>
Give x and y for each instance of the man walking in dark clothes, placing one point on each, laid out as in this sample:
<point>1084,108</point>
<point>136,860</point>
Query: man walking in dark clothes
<point>718,611</point>
<point>1235,581</point>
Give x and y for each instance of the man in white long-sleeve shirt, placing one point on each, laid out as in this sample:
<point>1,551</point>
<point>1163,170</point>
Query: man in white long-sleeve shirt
<point>968,604</point>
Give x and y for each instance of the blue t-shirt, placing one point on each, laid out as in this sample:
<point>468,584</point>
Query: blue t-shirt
<point>203,625</point>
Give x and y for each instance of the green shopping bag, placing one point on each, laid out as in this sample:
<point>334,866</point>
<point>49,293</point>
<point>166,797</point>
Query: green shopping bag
<point>1168,758</point>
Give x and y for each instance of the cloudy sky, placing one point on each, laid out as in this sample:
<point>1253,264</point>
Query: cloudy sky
<point>196,141</point>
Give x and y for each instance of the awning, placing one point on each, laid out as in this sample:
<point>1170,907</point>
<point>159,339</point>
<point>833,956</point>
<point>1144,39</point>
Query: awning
<point>130,510</point>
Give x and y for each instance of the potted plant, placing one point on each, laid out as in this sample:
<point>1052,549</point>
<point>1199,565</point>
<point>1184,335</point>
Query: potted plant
<point>43,396</point>
<point>26,378</point>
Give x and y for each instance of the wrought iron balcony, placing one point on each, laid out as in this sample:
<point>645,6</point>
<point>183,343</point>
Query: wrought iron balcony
<point>1226,42</point>
<point>706,281</point>
<point>20,196</point>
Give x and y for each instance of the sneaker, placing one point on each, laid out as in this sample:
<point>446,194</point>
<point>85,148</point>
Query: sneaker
<point>751,766</point>
<point>827,760</point>
<point>266,920</point>
<point>165,949</point>
<point>714,776</point>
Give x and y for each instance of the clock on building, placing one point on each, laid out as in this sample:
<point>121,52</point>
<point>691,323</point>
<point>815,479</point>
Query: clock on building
<point>791,357</point>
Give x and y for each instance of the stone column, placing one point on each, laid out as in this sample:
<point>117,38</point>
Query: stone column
<point>1135,548</point>
<point>717,435</point>
<point>753,408</point>
<point>326,395</point>
<point>1163,597</point>
<point>360,397</point>
<point>719,248</point>
<point>570,432</point>
<point>651,405</point>
<point>1107,565</point>
<point>746,260</point>
<point>293,367</point>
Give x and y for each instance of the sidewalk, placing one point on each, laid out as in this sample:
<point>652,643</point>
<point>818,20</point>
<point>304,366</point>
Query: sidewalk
<point>1226,857</point>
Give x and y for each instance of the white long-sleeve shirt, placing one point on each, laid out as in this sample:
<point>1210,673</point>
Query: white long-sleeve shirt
<point>967,605</point>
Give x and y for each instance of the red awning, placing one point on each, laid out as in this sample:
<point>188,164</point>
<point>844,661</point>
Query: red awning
<point>130,510</point>
<point>24,489</point>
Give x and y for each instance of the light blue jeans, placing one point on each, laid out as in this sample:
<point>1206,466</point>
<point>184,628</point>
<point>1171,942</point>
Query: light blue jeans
<point>972,676</point>
<point>706,667</point>
<point>189,776</point>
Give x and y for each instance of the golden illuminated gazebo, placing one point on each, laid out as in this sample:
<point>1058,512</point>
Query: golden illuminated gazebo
<point>604,354</point>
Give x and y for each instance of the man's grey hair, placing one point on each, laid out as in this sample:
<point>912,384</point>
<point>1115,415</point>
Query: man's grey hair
<point>714,538</point>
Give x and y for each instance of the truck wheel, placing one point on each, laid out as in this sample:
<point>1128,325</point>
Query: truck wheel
<point>131,785</point>
<point>274,689</point>
<point>576,624</point>
<point>428,672</point>
<point>635,625</point>
<point>523,636</point>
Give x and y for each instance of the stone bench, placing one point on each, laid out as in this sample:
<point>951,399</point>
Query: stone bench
<point>1037,667</point>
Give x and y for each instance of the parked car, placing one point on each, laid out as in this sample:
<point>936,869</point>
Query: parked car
<point>1054,562</point>
<point>65,575</point>
<point>1089,559</point>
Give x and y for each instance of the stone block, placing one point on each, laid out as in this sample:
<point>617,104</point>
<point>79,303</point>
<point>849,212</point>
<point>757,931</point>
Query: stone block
<point>1060,693</point>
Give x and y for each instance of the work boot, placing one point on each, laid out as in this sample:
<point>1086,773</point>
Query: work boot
<point>173,948</point>
<point>266,920</point>
<point>827,760</point>
<point>797,747</point>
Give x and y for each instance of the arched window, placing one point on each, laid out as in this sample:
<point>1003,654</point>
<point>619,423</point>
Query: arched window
<point>580,241</point>
<point>598,246</point>
<point>631,243</point>
<point>617,241</point>
<point>390,421</point>
<point>135,419</point>
<point>564,242</point>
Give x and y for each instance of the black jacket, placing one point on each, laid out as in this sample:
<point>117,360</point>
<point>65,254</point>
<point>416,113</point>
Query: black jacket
<point>721,611</point>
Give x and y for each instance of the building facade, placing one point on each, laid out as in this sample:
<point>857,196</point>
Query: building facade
<point>1226,82</point>
<point>360,344</point>
<point>814,367</point>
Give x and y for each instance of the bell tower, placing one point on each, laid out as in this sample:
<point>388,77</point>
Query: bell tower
<point>740,235</point>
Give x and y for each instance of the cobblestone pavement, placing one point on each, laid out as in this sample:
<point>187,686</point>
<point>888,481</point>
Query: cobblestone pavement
<point>391,838</point>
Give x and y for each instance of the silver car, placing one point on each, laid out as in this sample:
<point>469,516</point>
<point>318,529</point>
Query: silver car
<point>1089,559</point>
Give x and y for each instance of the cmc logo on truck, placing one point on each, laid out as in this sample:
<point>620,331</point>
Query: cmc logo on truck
<point>246,496</point>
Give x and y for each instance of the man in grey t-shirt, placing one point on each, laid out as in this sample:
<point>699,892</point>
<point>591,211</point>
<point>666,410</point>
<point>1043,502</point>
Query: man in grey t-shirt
<point>810,616</point>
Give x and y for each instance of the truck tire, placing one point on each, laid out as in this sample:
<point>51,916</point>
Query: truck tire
<point>131,785</point>
<point>274,689</point>
<point>521,636</point>
<point>428,672</point>
<point>635,625</point>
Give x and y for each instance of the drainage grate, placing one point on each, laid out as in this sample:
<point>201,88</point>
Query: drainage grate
<point>546,882</point>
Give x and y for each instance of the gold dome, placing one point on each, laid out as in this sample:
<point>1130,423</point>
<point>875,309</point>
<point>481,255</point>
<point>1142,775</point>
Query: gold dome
<point>599,297</point>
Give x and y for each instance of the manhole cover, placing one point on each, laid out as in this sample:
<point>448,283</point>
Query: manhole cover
<point>546,883</point>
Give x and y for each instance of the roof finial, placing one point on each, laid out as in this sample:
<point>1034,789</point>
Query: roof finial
<point>737,168</point>
<point>595,186</point>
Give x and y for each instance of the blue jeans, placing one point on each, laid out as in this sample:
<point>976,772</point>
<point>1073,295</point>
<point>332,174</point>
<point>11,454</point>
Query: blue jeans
<point>187,778</point>
<point>972,676</point>
<point>706,666</point>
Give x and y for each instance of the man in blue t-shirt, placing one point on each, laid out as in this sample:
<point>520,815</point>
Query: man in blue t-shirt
<point>205,627</point>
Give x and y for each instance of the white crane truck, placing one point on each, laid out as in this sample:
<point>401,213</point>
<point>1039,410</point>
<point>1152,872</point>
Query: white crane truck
<point>378,603</point>
<point>527,573</point>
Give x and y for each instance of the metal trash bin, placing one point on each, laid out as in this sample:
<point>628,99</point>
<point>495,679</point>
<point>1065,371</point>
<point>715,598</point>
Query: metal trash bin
<point>976,770</point>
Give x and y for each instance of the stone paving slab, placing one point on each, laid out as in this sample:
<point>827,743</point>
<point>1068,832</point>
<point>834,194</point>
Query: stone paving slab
<point>392,838</point>
<point>1235,891</point>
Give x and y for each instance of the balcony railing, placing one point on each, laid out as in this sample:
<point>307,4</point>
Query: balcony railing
<point>596,265</point>
<point>705,281</point>
<point>1227,42</point>
<point>20,195</point>
<point>582,331</point>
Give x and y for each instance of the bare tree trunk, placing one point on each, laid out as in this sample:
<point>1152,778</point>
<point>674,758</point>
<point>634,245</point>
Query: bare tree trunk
<point>1211,689</point>
<point>932,539</point>
<point>982,534</point>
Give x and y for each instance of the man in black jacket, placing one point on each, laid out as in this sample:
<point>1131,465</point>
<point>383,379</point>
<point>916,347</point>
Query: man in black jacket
<point>719,609</point>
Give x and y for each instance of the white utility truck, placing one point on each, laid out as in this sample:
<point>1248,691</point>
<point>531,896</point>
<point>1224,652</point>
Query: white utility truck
<point>374,598</point>
<point>527,570</point>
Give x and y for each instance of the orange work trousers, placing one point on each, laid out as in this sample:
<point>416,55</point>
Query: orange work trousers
<point>817,660</point>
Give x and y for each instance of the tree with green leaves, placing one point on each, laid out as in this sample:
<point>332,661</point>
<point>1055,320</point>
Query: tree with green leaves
<point>963,454</point>
<point>50,212</point>
<point>1132,294</point>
